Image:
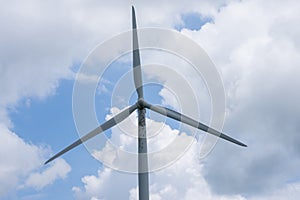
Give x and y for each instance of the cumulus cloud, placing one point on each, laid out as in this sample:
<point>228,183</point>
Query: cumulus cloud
<point>101,186</point>
<point>42,41</point>
<point>259,59</point>
<point>14,164</point>
<point>290,191</point>
<point>93,185</point>
<point>19,162</point>
<point>39,180</point>
<point>37,50</point>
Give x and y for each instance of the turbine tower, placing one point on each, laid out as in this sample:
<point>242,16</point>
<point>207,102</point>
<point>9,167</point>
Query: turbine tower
<point>141,105</point>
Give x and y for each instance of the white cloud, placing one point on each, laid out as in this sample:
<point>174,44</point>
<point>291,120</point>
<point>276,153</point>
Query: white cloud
<point>101,186</point>
<point>40,41</point>
<point>58,170</point>
<point>290,191</point>
<point>37,50</point>
<point>168,98</point>
<point>254,45</point>
<point>93,185</point>
<point>13,164</point>
<point>19,162</point>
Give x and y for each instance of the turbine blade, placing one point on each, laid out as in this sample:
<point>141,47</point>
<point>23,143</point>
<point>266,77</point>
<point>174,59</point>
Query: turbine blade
<point>187,120</point>
<point>137,71</point>
<point>106,125</point>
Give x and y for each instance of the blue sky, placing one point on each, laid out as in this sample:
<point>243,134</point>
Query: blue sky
<point>243,38</point>
<point>193,21</point>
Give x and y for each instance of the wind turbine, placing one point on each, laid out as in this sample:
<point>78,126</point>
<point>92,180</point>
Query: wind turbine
<point>141,105</point>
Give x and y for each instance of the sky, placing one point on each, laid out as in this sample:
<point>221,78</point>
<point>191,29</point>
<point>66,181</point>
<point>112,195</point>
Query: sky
<point>254,46</point>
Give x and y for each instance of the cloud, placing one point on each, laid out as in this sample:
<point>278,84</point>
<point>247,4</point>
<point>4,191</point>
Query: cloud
<point>101,186</point>
<point>58,170</point>
<point>19,162</point>
<point>14,165</point>
<point>41,41</point>
<point>93,185</point>
<point>37,50</point>
<point>250,42</point>
<point>290,191</point>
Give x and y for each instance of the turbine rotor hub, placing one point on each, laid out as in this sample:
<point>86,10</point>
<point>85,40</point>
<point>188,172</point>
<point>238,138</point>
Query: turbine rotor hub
<point>141,103</point>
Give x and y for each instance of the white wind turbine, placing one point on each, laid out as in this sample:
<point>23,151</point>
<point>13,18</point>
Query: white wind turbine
<point>141,105</point>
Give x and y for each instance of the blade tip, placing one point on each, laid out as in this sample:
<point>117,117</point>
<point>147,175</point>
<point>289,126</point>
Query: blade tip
<point>243,145</point>
<point>49,160</point>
